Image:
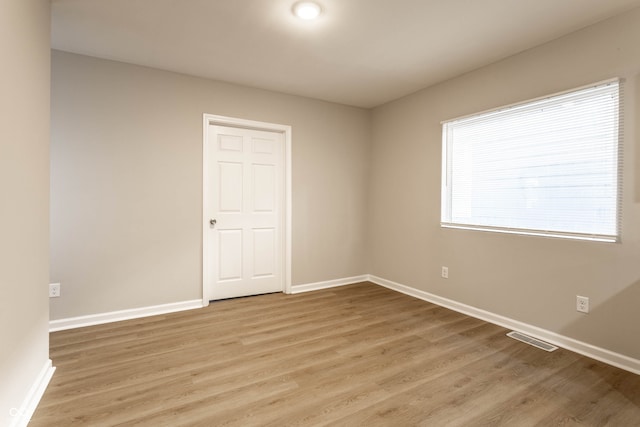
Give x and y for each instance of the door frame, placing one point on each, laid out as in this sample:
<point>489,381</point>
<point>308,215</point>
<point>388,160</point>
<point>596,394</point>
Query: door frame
<point>285,255</point>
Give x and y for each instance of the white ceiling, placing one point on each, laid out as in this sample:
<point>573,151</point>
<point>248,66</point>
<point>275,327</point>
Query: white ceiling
<point>361,52</point>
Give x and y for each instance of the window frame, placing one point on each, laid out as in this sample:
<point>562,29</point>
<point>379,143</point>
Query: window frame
<point>446,220</point>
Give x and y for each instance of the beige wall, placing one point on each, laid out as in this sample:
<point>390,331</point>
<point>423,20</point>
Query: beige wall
<point>126,190</point>
<point>126,182</point>
<point>531,279</point>
<point>24,204</point>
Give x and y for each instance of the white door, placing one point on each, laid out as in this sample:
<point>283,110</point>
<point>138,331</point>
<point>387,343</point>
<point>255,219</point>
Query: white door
<point>244,212</point>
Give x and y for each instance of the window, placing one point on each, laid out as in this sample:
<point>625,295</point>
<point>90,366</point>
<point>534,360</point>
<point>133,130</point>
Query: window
<point>549,167</point>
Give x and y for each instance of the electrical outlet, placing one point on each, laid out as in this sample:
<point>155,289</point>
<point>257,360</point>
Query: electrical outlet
<point>582,304</point>
<point>445,272</point>
<point>54,290</point>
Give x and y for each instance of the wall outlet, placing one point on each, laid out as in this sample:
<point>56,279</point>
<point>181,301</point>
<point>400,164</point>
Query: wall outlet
<point>582,304</point>
<point>54,290</point>
<point>445,272</point>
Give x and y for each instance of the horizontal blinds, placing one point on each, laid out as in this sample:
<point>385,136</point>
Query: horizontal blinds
<point>550,166</point>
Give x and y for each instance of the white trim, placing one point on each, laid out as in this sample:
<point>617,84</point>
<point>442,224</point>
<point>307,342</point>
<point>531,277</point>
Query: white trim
<point>30,403</point>
<point>539,98</point>
<point>616,359</point>
<point>524,232</point>
<point>329,284</point>
<point>288,209</point>
<point>209,119</point>
<point>116,316</point>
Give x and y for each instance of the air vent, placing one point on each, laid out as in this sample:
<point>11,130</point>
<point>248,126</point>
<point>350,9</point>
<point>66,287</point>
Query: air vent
<point>532,341</point>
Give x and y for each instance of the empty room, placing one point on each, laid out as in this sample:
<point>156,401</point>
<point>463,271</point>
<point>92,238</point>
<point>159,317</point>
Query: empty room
<point>281,212</point>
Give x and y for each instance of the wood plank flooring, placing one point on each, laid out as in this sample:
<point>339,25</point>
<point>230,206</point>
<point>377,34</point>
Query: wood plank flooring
<point>348,356</point>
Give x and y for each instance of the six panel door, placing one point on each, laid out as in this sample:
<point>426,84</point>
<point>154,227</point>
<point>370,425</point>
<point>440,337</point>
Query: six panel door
<point>245,212</point>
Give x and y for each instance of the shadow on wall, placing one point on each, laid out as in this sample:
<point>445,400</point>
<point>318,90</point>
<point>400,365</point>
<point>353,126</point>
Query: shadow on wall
<point>623,308</point>
<point>636,178</point>
<point>620,310</point>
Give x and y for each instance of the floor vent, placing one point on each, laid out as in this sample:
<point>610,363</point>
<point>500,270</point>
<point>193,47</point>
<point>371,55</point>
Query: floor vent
<point>532,341</point>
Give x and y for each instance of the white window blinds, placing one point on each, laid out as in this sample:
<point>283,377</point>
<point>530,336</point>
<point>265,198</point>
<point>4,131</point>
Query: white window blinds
<point>551,166</point>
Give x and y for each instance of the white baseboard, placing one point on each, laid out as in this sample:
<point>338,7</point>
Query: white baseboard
<point>21,416</point>
<point>116,316</point>
<point>616,359</point>
<point>619,360</point>
<point>296,289</point>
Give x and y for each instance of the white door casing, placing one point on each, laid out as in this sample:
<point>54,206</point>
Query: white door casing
<point>246,208</point>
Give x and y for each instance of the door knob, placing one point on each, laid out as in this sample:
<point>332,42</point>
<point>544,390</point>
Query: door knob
<point>213,222</point>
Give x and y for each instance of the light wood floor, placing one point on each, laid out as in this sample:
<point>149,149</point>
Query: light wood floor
<point>349,356</point>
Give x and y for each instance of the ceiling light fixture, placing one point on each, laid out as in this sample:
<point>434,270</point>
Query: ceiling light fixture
<point>307,10</point>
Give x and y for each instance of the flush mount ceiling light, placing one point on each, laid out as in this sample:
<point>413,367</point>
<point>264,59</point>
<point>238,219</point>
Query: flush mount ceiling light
<point>307,10</point>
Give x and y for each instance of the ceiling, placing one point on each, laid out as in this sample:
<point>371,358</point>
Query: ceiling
<point>360,52</point>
